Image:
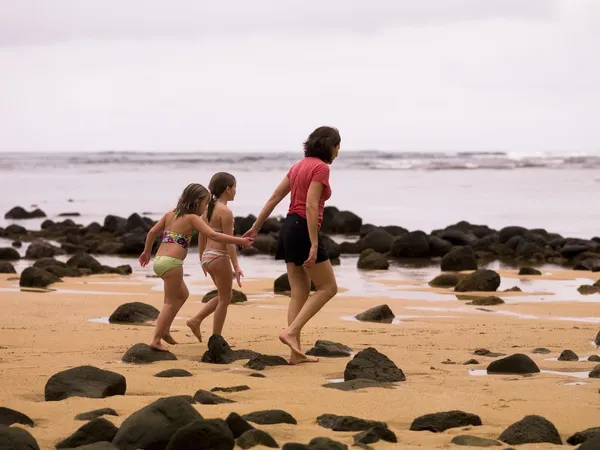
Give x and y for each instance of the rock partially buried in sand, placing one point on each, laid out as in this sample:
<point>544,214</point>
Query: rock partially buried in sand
<point>144,354</point>
<point>7,267</point>
<point>372,365</point>
<point>329,349</point>
<point>10,417</point>
<point>594,358</point>
<point>98,430</point>
<point>446,280</point>
<point>347,423</point>
<point>514,364</point>
<point>590,444</point>
<point>237,425</point>
<point>481,280</point>
<point>154,425</point>
<point>208,398</point>
<point>588,289</point>
<point>231,389</point>
<point>529,271</point>
<point>95,414</point>
<point>219,352</point>
<point>15,438</point>
<point>174,373</point>
<point>410,245</point>
<point>513,289</point>
<point>486,352</point>
<point>353,385</point>
<point>597,340</point>
<point>375,434</point>
<point>474,441</point>
<point>581,436</point>
<point>211,434</point>
<point>487,301</point>
<point>252,438</point>
<point>442,421</point>
<point>595,372</point>
<point>260,362</point>
<point>369,259</point>
<point>459,259</point>
<point>42,249</point>
<point>34,277</point>
<point>9,254</point>
<point>270,417</point>
<point>236,297</point>
<point>531,430</point>
<point>282,285</point>
<point>134,312</point>
<point>381,314</point>
<point>84,381</point>
<point>541,351</point>
<point>568,355</point>
<point>85,261</point>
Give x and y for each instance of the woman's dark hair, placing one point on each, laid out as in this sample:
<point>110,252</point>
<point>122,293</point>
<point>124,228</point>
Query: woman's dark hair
<point>190,199</point>
<point>321,142</point>
<point>219,183</point>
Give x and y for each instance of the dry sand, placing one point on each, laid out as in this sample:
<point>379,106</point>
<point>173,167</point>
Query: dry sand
<point>43,333</point>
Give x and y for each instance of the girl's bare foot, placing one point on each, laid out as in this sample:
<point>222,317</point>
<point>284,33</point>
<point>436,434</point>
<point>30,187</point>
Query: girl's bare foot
<point>158,346</point>
<point>169,339</point>
<point>195,329</point>
<point>296,358</point>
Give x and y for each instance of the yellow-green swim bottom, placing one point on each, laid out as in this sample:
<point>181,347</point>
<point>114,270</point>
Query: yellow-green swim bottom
<point>162,264</point>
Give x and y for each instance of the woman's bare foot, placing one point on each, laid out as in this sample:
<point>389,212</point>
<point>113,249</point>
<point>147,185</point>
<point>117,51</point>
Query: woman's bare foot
<point>195,329</point>
<point>169,339</point>
<point>292,342</point>
<point>296,358</point>
<point>158,346</point>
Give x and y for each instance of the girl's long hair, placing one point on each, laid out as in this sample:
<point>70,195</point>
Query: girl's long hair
<point>219,183</point>
<point>190,199</point>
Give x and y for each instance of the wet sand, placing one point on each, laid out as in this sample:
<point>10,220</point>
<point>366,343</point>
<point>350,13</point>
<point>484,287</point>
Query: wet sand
<point>43,333</point>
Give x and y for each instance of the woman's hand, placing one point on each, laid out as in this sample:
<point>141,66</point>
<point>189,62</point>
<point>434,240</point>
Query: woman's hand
<point>251,233</point>
<point>312,256</point>
<point>247,241</point>
<point>238,274</point>
<point>144,259</point>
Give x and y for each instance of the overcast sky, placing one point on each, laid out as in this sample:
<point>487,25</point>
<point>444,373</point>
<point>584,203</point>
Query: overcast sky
<point>514,75</point>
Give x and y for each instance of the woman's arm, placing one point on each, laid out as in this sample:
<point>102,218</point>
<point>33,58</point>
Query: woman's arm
<point>279,194</point>
<point>199,224</point>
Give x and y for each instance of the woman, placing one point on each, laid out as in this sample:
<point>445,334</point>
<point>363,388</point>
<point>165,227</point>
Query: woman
<point>305,256</point>
<point>216,257</point>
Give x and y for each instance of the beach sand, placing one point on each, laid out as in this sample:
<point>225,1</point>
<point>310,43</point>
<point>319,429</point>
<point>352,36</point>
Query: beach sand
<point>44,333</point>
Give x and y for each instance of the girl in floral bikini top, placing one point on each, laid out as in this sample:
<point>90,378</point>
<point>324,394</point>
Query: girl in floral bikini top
<point>177,227</point>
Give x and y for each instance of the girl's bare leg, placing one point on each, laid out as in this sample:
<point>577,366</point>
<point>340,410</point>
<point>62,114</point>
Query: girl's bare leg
<point>176,294</point>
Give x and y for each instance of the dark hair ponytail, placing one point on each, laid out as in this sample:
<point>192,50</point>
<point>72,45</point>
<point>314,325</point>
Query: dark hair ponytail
<point>219,183</point>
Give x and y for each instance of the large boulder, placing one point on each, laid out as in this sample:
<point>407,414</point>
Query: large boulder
<point>133,243</point>
<point>507,233</point>
<point>372,365</point>
<point>332,247</point>
<point>252,438</point>
<point>442,421</point>
<point>85,261</point>
<point>9,254</point>
<point>438,246</point>
<point>84,381</point>
<point>446,280</point>
<point>10,417</point>
<point>97,430</point>
<point>34,277</point>
<point>155,425</point>
<point>281,285</point>
<point>377,239</point>
<point>514,364</point>
<point>483,280</point>
<point>134,312</point>
<point>115,224</point>
<point>347,423</point>
<point>531,430</point>
<point>212,434</point>
<point>461,258</point>
<point>411,245</point>
<point>265,244</point>
<point>20,213</point>
<point>270,417</point>
<point>15,438</point>
<point>7,267</point>
<point>345,222</point>
<point>41,249</point>
<point>457,237</point>
<point>371,260</point>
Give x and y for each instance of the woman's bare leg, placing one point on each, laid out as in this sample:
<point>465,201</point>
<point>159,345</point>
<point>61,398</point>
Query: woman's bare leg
<point>174,300</point>
<point>300,290</point>
<point>324,278</point>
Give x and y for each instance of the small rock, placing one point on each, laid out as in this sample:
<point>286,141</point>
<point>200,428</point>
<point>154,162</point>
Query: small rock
<point>513,289</point>
<point>442,421</point>
<point>41,249</point>
<point>270,417</point>
<point>514,364</point>
<point>34,277</point>
<point>7,267</point>
<point>134,312</point>
<point>587,289</point>
<point>459,259</point>
<point>375,434</point>
<point>369,259</point>
<point>329,349</point>
<point>174,373</point>
<point>323,443</point>
<point>470,361</point>
<point>282,285</point>
<point>448,362</point>
<point>219,352</point>
<point>84,381</point>
<point>381,314</point>
<point>528,271</point>
<point>9,254</point>
<point>19,213</point>
<point>96,413</point>
<point>257,375</point>
<point>531,430</point>
<point>595,372</point>
<point>237,425</point>
<point>474,441</point>
<point>353,385</point>
<point>594,358</point>
<point>590,444</point>
<point>210,434</point>
<point>10,417</point>
<point>15,438</point>
<point>236,296</point>
<point>231,389</point>
<point>252,438</point>
<point>568,355</point>
<point>446,280</point>
<point>98,430</point>
<point>487,301</point>
<point>541,351</point>
<point>373,365</point>
<point>144,354</point>
<point>347,423</point>
<point>261,361</point>
<point>581,436</point>
<point>486,352</point>
<point>208,398</point>
<point>481,280</point>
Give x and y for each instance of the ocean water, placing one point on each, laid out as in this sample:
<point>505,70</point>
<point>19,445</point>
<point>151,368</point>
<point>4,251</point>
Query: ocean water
<point>415,190</point>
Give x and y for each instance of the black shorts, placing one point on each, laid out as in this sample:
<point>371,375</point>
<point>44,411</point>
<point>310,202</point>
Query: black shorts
<point>293,245</point>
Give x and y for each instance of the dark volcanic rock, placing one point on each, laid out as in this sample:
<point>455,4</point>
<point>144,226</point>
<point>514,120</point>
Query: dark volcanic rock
<point>259,362</point>
<point>486,352</point>
<point>144,354</point>
<point>487,301</point>
<point>375,434</point>
<point>461,258</point>
<point>446,280</point>
<point>219,352</point>
<point>588,289</point>
<point>541,351</point>
<point>20,213</point>
<point>231,389</point>
<point>377,239</point>
<point>41,249</point>
<point>591,444</point>
<point>597,340</point>
<point>411,245</point>
<point>237,425</point>
<point>442,421</point>
<point>91,415</point>
<point>353,385</point>
<point>208,398</point>
<point>594,358</point>
<point>507,233</point>
<point>154,425</point>
<point>347,423</point>
<point>282,285</point>
<point>371,260</point>
<point>329,349</point>
<point>98,430</point>
<point>7,267</point>
<point>515,364</point>
<point>323,443</point>
<point>529,271</point>
<point>480,280</point>
<point>236,297</point>
<point>270,417</point>
<point>265,244</point>
<point>371,364</point>
<point>458,238</point>
<point>470,362</point>
<point>474,441</point>
<point>381,313</point>
<point>513,289</point>
<point>438,246</point>
<point>84,381</point>
<point>34,277</point>
<point>252,438</point>
<point>134,312</point>
<point>15,438</point>
<point>9,254</point>
<point>212,434</point>
<point>595,372</point>
<point>568,355</point>
<point>85,261</point>
<point>531,430</point>
<point>581,436</point>
<point>345,222</point>
<point>174,373</point>
<point>10,417</point>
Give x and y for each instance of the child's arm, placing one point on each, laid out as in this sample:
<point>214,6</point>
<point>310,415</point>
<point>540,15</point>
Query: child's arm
<point>150,238</point>
<point>199,224</point>
<point>228,224</point>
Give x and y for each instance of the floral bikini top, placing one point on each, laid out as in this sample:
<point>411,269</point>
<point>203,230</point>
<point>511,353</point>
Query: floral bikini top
<point>176,238</point>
